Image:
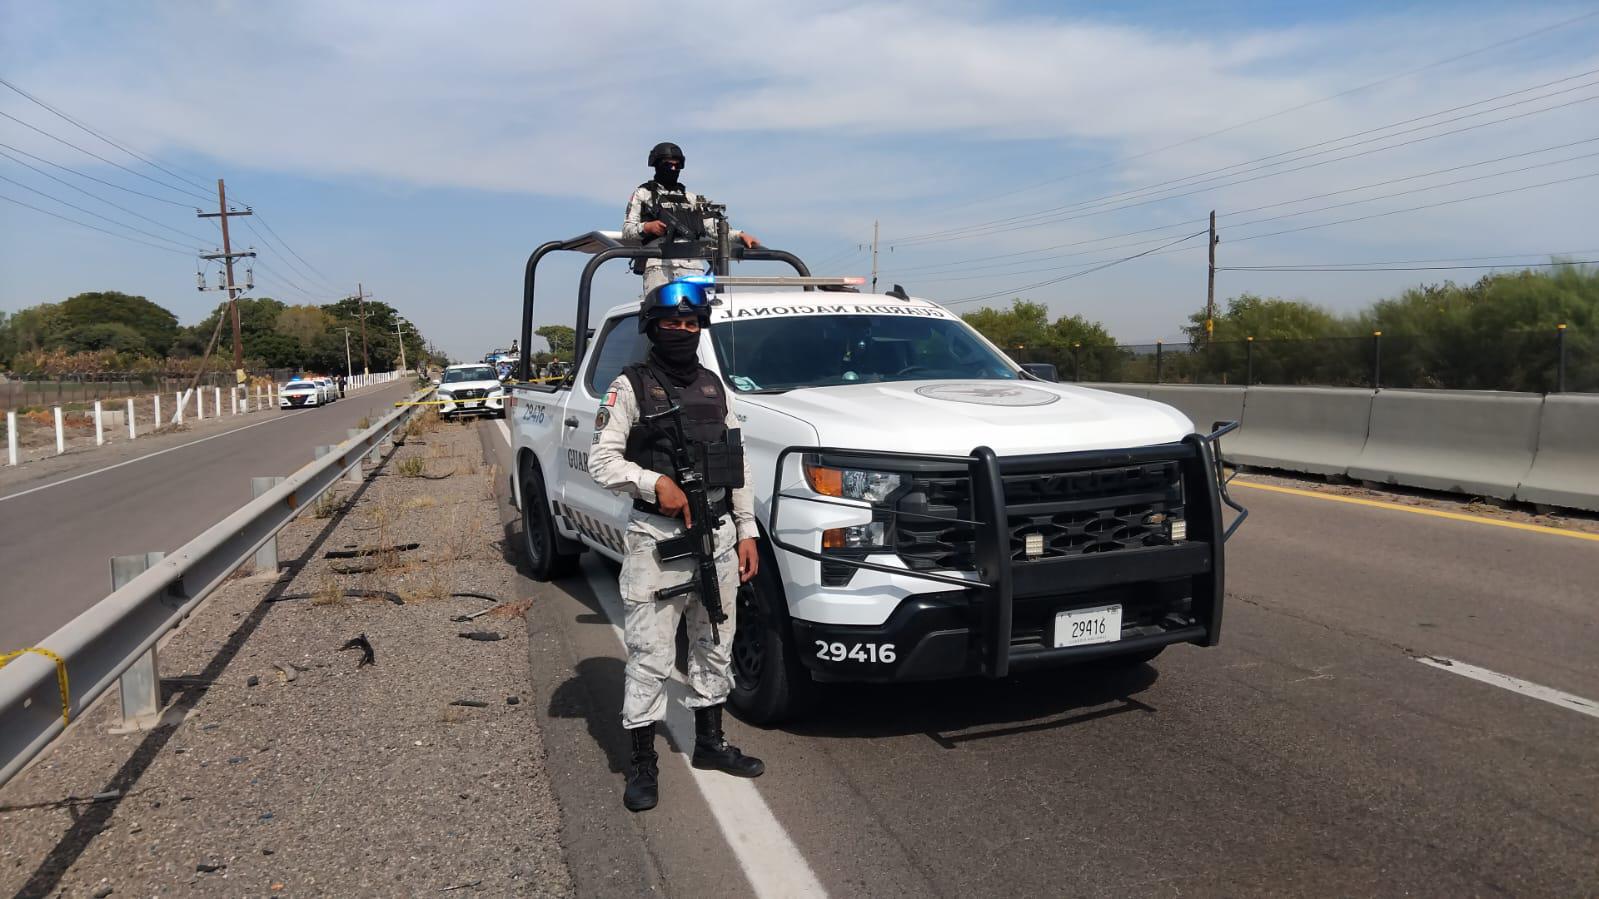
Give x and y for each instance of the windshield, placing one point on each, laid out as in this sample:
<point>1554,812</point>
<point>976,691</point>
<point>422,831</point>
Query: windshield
<point>480,373</point>
<point>825,350</point>
<point>299,387</point>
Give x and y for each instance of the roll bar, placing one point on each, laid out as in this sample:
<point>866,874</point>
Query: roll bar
<point>605,246</point>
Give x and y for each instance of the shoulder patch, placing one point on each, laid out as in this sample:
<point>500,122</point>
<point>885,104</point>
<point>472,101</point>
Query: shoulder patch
<point>602,418</point>
<point>709,390</point>
<point>610,397</point>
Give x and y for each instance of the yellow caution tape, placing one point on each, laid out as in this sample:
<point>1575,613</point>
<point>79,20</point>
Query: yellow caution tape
<point>61,676</point>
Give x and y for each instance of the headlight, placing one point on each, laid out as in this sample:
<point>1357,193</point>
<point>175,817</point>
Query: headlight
<point>445,394</point>
<point>496,391</point>
<point>874,487</point>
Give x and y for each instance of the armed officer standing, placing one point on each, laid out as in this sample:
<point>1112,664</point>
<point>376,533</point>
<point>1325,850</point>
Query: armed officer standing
<point>635,437</point>
<point>661,209</point>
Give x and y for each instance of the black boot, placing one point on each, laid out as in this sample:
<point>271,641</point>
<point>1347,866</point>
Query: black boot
<point>643,790</point>
<point>716,754</point>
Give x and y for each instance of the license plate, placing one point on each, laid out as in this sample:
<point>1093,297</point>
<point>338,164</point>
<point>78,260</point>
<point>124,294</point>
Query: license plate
<point>1080,627</point>
<point>471,404</point>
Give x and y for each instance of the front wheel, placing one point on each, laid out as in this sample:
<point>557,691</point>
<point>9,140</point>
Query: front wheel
<point>540,544</point>
<point>769,682</point>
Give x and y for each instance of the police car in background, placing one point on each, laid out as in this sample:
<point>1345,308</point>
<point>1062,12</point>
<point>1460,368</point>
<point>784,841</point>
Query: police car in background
<point>302,393</point>
<point>471,389</point>
<point>929,509</point>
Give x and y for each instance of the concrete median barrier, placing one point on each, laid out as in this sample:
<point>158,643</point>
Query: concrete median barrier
<point>1565,470</point>
<point>1204,406</point>
<point>1479,443</point>
<point>1315,430</point>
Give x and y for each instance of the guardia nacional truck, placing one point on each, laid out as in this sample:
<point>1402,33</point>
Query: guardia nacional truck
<point>928,509</point>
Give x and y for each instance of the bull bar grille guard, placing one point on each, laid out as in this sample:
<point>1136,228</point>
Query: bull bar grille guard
<point>1198,454</point>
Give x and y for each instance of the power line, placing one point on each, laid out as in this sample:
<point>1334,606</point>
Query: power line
<point>119,165</point>
<point>1368,85</point>
<point>962,265</point>
<point>1424,268</point>
<point>139,156</point>
<point>310,279</point>
<point>1088,271</point>
<point>265,224</point>
<point>99,180</point>
<point>93,227</point>
<point>96,196</point>
<point>89,211</point>
<point>1298,265</point>
<point>1211,185</point>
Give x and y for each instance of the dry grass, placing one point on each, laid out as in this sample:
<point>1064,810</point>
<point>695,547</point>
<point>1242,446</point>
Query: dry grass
<point>491,482</point>
<point>328,591</point>
<point>454,539</point>
<point>326,504</point>
<point>411,467</point>
<point>422,502</point>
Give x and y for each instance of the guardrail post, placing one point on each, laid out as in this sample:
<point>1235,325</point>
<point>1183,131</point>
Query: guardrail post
<point>1249,361</point>
<point>1560,358</point>
<point>99,426</point>
<point>1159,359</point>
<point>61,437</point>
<point>140,685</point>
<point>11,436</point>
<point>1376,360</point>
<point>353,475</point>
<point>266,558</point>
<point>133,433</point>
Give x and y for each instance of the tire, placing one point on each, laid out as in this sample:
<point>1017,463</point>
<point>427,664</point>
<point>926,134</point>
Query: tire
<point>540,544</point>
<point>770,684</point>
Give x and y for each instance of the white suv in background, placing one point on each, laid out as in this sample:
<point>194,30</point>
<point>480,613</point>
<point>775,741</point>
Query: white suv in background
<point>471,389</point>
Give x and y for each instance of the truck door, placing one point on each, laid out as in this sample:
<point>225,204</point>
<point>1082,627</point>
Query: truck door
<point>598,512</point>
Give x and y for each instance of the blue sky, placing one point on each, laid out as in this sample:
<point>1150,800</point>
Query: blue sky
<point>423,149</point>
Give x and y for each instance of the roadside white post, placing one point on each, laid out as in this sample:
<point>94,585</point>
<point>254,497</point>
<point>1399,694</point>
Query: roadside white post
<point>99,426</point>
<point>177,402</point>
<point>266,558</point>
<point>11,436</point>
<point>158,411</point>
<point>234,396</point>
<point>216,393</point>
<point>258,406</point>
<point>199,404</point>
<point>140,685</point>
<point>133,433</point>
<point>61,438</point>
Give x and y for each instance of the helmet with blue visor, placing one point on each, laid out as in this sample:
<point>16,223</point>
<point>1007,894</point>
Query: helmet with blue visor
<point>677,299</point>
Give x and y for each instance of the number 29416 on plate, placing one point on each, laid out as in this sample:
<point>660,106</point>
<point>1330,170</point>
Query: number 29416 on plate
<point>1080,627</point>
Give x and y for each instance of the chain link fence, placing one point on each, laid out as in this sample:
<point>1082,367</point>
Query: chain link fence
<point>1553,361</point>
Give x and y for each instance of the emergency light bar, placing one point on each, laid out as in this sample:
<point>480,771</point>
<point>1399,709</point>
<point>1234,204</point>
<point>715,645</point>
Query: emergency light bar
<point>772,281</point>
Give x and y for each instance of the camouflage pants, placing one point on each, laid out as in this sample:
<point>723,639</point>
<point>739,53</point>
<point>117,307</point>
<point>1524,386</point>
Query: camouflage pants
<point>650,629</point>
<point>658,272</point>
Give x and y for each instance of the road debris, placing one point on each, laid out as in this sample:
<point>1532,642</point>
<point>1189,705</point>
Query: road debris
<point>368,657</point>
<point>482,636</point>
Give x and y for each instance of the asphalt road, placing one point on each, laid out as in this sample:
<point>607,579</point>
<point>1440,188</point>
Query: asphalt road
<point>1310,754</point>
<point>57,536</point>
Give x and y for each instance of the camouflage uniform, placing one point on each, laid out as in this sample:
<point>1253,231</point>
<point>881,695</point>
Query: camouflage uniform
<point>651,624</point>
<point>660,271</point>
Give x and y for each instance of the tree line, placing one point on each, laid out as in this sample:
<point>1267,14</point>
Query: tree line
<point>108,331</point>
<point>1499,332</point>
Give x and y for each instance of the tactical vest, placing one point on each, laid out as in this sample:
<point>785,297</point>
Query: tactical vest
<point>704,405</point>
<point>671,205</point>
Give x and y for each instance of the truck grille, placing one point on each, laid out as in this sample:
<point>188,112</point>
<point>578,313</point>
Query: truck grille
<point>473,393</point>
<point>1074,512</point>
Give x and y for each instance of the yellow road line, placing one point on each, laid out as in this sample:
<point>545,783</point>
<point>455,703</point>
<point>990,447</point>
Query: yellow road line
<point>1435,513</point>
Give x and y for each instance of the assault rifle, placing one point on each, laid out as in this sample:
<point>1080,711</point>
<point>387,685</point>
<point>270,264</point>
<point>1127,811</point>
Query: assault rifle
<point>722,466</point>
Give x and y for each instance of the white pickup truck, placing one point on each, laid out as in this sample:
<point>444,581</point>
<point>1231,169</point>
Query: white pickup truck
<point>928,508</point>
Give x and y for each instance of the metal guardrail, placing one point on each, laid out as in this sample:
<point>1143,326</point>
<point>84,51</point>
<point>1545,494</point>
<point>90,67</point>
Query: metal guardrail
<point>117,633</point>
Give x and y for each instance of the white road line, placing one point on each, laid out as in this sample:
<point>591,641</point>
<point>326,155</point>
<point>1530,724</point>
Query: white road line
<point>170,449</point>
<point>1515,685</point>
<point>770,860</point>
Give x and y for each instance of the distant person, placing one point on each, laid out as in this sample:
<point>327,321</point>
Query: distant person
<point>663,209</point>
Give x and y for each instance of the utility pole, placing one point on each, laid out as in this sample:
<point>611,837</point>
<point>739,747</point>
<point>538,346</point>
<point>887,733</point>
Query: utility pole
<point>349,370</point>
<point>874,255</point>
<point>401,337</point>
<point>360,297</point>
<point>227,256</point>
<point>1210,287</point>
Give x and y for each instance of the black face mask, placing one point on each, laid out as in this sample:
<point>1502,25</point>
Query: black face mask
<point>666,175</point>
<point>677,354</point>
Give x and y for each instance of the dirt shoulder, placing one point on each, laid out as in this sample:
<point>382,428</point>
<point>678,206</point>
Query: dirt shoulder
<point>288,768</point>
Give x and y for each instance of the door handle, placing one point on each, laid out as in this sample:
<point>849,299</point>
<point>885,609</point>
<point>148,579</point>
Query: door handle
<point>571,421</point>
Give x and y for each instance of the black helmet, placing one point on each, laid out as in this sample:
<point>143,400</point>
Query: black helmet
<point>675,299</point>
<point>664,151</point>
